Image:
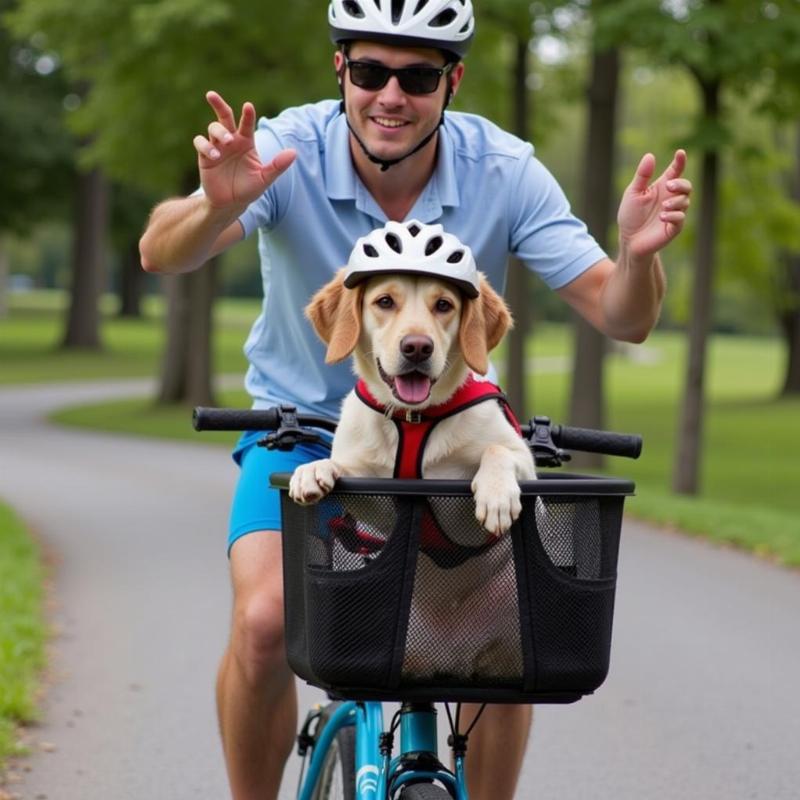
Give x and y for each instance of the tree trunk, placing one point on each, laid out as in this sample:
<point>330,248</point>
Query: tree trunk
<point>518,283</point>
<point>186,367</point>
<point>4,277</point>
<point>790,324</point>
<point>790,316</point>
<point>131,282</point>
<point>686,475</point>
<point>88,261</point>
<point>587,407</point>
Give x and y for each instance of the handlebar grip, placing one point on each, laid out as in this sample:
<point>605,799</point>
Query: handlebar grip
<point>586,440</point>
<point>235,419</point>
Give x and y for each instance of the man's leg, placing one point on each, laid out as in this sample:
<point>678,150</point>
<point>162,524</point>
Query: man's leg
<point>495,749</point>
<point>256,697</point>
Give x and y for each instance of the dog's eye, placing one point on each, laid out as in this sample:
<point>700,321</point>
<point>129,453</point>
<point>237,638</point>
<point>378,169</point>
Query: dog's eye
<point>443,306</point>
<point>385,302</point>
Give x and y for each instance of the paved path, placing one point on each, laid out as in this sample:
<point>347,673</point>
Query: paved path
<point>700,703</point>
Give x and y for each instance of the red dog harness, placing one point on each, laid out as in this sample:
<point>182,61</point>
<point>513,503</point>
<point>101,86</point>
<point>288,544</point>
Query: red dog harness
<point>414,430</point>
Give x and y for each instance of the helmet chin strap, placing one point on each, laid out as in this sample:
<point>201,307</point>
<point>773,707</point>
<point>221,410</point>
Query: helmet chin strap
<point>385,163</point>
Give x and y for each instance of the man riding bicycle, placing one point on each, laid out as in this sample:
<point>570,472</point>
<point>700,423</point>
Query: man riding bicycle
<point>387,150</point>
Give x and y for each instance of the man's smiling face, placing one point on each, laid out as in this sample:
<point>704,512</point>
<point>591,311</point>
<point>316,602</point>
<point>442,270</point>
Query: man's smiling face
<point>389,121</point>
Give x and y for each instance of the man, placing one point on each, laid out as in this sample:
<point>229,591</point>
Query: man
<point>390,152</point>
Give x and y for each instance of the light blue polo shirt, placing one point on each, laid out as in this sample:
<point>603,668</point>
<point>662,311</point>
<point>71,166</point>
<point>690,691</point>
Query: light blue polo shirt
<point>488,189</point>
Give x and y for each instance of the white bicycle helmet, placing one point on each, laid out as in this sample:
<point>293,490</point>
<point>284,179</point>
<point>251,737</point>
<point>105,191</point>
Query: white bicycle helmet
<point>413,248</point>
<point>444,24</point>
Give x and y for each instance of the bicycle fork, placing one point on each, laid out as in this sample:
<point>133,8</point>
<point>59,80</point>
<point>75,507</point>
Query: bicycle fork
<point>378,776</point>
<point>418,760</point>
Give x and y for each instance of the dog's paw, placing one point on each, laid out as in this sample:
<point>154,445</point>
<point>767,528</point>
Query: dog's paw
<point>497,500</point>
<point>311,482</point>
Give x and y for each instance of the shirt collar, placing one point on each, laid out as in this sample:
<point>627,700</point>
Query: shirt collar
<point>342,182</point>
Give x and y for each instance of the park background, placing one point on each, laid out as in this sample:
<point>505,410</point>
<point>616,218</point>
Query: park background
<point>98,106</point>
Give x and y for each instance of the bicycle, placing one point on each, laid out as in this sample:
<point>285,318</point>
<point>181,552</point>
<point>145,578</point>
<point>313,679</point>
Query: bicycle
<point>352,579</point>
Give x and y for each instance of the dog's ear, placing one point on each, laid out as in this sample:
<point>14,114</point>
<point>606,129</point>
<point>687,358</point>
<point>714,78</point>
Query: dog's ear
<point>335,313</point>
<point>485,320</point>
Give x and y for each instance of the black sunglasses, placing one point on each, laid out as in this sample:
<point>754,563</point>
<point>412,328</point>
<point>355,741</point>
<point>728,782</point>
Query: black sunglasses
<point>413,80</point>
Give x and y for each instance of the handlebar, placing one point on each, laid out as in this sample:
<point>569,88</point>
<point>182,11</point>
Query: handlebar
<point>585,440</point>
<point>252,419</point>
<point>548,441</point>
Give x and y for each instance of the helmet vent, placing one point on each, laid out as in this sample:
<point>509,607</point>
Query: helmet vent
<point>420,6</point>
<point>370,251</point>
<point>455,257</point>
<point>394,242</point>
<point>433,245</point>
<point>414,229</point>
<point>353,9</point>
<point>444,19</point>
<point>397,10</point>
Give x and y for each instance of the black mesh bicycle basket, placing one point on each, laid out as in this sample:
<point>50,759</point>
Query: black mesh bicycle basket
<point>393,590</point>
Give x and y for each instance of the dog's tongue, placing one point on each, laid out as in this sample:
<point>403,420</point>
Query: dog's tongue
<point>413,387</point>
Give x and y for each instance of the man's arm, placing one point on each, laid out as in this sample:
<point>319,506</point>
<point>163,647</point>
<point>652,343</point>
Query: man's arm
<point>623,299</point>
<point>185,232</point>
<point>620,300</point>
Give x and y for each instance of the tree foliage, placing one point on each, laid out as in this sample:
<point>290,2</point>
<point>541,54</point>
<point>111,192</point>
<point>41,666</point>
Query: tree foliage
<point>36,156</point>
<point>149,65</point>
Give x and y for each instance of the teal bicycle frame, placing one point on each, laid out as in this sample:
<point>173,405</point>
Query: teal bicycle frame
<point>378,775</point>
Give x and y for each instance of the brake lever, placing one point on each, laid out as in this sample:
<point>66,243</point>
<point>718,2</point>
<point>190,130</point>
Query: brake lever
<point>540,440</point>
<point>289,433</point>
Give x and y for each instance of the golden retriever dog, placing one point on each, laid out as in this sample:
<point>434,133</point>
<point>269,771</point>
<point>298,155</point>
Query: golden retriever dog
<point>415,340</point>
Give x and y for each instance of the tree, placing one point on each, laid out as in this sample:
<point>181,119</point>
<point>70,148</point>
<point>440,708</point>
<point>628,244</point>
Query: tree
<point>587,397</point>
<point>148,66</point>
<point>513,20</point>
<point>516,20</point>
<point>129,209</point>
<point>89,260</point>
<point>36,157</point>
<point>725,45</point>
<point>790,290</point>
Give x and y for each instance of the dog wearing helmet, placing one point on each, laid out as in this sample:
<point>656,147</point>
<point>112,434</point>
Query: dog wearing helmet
<point>420,321</point>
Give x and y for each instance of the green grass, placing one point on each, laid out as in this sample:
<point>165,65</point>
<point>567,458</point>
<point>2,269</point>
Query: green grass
<point>749,469</point>
<point>22,628</point>
<point>142,417</point>
<point>749,466</point>
<point>31,352</point>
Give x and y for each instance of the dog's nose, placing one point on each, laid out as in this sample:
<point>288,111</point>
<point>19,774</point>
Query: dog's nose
<point>416,348</point>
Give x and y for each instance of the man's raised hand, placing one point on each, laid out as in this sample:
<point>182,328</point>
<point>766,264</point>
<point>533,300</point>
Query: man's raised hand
<point>651,215</point>
<point>231,173</point>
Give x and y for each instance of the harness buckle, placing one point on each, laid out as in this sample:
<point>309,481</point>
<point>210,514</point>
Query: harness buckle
<point>413,416</point>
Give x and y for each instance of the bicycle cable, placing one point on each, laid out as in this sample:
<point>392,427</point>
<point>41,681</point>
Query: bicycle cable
<point>457,740</point>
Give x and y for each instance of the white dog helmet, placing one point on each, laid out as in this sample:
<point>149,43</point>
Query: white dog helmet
<point>413,248</point>
<point>444,24</point>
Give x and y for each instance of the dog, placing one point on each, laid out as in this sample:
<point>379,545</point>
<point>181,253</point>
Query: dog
<point>416,342</point>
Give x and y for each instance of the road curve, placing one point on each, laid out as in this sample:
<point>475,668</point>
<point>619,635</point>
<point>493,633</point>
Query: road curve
<point>700,703</point>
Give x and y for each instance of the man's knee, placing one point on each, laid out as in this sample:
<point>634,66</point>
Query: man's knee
<point>257,638</point>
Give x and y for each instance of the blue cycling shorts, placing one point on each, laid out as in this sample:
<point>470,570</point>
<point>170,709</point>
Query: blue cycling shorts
<point>256,505</point>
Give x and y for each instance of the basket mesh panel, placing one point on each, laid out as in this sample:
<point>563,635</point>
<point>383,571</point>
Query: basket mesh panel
<point>350,531</point>
<point>463,623</point>
<point>571,608</point>
<point>530,612</point>
<point>353,571</point>
<point>571,535</point>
